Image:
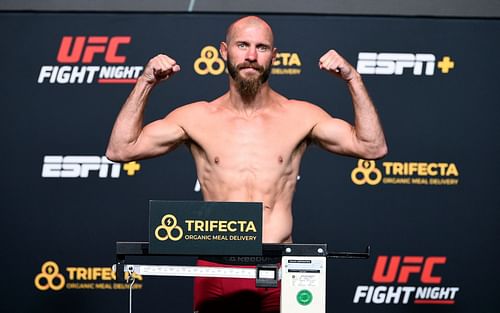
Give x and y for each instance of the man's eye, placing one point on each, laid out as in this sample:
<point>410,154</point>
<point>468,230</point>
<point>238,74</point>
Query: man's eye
<point>262,49</point>
<point>241,45</point>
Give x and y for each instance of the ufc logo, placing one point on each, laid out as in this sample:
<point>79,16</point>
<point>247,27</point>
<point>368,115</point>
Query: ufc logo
<point>81,48</point>
<point>387,273</point>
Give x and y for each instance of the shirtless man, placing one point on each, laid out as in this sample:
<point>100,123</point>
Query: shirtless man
<point>248,143</point>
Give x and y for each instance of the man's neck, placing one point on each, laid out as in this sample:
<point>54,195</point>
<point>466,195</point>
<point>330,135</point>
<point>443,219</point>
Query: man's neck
<point>249,105</point>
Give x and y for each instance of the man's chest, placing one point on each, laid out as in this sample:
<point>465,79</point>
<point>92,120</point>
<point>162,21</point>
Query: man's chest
<point>264,133</point>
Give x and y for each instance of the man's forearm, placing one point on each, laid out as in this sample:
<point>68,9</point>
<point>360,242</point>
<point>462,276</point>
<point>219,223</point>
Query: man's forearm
<point>368,128</point>
<point>129,123</point>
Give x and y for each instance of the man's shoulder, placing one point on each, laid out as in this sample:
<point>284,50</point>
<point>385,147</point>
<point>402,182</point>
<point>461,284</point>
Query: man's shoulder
<point>192,108</point>
<point>195,112</point>
<point>204,106</point>
<point>197,105</point>
<point>302,107</point>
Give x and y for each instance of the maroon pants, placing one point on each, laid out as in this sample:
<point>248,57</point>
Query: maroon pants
<point>233,295</point>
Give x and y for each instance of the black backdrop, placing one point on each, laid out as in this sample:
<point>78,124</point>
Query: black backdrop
<point>443,126</point>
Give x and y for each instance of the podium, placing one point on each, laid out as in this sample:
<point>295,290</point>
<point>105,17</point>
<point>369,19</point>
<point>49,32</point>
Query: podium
<point>302,269</point>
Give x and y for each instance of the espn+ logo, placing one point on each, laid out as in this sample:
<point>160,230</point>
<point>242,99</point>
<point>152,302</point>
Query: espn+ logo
<point>80,166</point>
<point>85,50</point>
<point>397,63</point>
<point>210,62</point>
<point>402,270</point>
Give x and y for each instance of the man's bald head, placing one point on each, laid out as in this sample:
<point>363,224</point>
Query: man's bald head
<point>249,21</point>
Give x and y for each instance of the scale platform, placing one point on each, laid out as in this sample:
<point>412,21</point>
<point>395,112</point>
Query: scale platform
<point>302,271</point>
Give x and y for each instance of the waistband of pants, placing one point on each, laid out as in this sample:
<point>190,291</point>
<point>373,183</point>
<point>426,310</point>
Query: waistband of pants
<point>242,260</point>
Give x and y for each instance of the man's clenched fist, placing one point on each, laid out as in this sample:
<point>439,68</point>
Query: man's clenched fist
<point>337,65</point>
<point>159,68</point>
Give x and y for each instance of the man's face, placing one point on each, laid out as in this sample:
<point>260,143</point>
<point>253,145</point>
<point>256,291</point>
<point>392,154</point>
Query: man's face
<point>248,75</point>
<point>249,54</point>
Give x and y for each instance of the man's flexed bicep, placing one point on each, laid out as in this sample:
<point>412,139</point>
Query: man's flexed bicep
<point>337,136</point>
<point>129,140</point>
<point>365,138</point>
<point>157,138</point>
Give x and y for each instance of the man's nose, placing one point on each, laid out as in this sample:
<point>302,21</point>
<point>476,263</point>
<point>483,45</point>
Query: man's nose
<point>251,54</point>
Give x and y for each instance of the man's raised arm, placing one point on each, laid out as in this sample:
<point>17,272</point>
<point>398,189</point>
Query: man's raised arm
<point>365,139</point>
<point>129,140</point>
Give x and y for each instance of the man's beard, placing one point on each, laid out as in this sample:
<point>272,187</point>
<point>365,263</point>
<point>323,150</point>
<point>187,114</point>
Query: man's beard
<point>249,87</point>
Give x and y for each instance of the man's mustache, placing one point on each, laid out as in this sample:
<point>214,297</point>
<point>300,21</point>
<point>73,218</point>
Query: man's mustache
<point>255,66</point>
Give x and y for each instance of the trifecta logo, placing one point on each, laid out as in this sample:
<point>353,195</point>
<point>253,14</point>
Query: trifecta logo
<point>53,278</point>
<point>78,61</point>
<point>83,166</point>
<point>205,229</point>
<point>287,63</point>
<point>210,62</point>
<point>405,173</point>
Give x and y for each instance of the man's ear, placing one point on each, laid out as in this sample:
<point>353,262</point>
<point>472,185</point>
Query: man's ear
<point>223,50</point>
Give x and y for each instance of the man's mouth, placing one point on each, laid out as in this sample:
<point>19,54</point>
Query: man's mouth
<point>250,67</point>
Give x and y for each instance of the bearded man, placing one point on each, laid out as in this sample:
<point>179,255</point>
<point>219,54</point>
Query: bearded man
<point>247,144</point>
